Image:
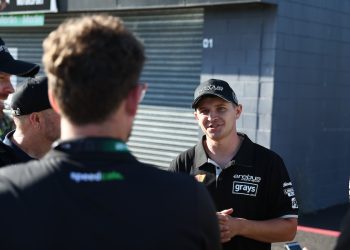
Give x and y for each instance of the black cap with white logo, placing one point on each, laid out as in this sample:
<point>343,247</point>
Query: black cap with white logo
<point>214,87</point>
<point>31,96</point>
<point>12,66</point>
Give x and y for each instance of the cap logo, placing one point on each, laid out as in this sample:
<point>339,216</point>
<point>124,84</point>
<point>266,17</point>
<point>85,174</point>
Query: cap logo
<point>16,112</point>
<point>3,48</point>
<point>211,88</point>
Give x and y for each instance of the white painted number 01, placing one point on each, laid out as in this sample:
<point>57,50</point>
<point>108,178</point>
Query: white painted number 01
<point>208,43</point>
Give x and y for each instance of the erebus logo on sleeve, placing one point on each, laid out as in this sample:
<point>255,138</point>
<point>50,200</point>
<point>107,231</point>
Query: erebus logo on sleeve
<point>244,188</point>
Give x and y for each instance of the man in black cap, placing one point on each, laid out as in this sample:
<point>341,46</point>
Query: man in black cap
<point>37,124</point>
<point>249,183</point>
<point>89,191</point>
<point>10,66</point>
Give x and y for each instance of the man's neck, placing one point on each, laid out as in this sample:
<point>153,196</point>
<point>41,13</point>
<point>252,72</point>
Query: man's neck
<point>108,128</point>
<point>224,150</point>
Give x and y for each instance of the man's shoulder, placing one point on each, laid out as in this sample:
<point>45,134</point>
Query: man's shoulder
<point>260,150</point>
<point>24,172</point>
<point>184,161</point>
<point>188,153</point>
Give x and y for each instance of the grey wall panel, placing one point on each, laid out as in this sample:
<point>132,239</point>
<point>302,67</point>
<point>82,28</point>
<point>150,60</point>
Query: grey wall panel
<point>164,125</point>
<point>311,103</point>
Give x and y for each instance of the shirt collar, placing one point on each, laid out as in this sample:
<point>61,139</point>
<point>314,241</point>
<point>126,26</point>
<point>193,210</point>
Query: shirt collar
<point>244,157</point>
<point>92,144</point>
<point>200,156</point>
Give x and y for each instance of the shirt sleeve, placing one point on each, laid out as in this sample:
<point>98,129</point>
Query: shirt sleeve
<point>283,200</point>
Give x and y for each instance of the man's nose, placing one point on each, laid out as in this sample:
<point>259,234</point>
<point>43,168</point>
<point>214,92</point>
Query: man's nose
<point>212,115</point>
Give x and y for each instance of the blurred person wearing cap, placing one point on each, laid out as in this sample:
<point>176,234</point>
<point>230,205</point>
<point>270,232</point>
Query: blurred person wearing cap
<point>10,66</point>
<point>249,184</point>
<point>6,122</point>
<point>37,124</point>
<point>89,191</point>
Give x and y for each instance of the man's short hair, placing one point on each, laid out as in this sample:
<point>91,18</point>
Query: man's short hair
<point>92,63</point>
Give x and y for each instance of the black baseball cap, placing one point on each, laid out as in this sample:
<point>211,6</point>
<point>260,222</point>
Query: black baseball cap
<point>214,87</point>
<point>12,66</point>
<point>31,96</point>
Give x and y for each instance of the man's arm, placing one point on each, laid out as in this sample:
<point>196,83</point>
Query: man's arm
<point>273,230</point>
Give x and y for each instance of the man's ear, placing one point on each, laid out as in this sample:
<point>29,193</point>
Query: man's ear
<point>53,102</point>
<point>132,101</point>
<point>35,119</point>
<point>195,115</point>
<point>239,109</point>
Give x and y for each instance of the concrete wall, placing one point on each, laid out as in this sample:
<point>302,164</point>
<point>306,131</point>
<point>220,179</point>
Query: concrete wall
<point>238,46</point>
<point>311,115</point>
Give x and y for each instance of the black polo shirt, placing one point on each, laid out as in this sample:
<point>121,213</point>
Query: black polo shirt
<point>92,193</point>
<point>255,184</point>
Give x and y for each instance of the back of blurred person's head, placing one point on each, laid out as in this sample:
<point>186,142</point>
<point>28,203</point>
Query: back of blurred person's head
<point>92,63</point>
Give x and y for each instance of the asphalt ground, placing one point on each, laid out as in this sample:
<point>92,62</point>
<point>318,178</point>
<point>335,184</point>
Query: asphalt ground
<point>319,230</point>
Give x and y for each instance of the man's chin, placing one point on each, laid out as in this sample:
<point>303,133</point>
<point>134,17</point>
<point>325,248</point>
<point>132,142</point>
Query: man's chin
<point>213,136</point>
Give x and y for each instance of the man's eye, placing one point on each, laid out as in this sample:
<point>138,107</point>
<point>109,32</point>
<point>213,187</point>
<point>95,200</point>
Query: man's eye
<point>221,109</point>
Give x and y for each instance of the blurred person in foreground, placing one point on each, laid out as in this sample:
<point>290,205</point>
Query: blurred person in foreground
<point>37,124</point>
<point>89,191</point>
<point>249,184</point>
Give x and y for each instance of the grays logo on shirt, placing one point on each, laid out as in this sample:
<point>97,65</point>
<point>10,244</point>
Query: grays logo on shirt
<point>244,188</point>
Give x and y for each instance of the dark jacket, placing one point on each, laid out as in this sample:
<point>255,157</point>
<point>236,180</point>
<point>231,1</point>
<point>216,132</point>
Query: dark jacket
<point>93,194</point>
